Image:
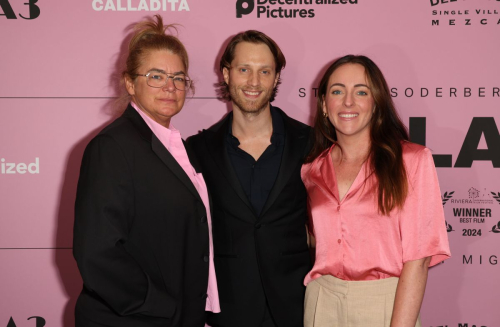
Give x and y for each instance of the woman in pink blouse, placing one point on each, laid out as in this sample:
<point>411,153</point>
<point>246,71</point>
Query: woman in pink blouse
<point>375,206</point>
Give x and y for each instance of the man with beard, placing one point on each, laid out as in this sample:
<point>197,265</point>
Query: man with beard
<point>251,162</point>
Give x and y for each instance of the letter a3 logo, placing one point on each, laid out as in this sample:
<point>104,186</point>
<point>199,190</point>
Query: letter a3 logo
<point>34,10</point>
<point>40,322</point>
<point>240,10</point>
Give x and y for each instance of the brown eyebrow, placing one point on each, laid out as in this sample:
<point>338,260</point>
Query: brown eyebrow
<point>342,85</point>
<point>164,72</point>
<point>248,65</point>
<point>336,84</point>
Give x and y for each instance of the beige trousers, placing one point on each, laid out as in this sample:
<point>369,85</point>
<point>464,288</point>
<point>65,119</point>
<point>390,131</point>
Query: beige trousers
<point>332,302</point>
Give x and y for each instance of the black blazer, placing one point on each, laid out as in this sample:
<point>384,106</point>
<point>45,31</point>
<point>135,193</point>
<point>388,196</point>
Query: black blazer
<point>257,258</point>
<point>140,234</point>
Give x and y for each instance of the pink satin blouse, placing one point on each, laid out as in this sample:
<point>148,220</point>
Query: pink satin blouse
<point>354,241</point>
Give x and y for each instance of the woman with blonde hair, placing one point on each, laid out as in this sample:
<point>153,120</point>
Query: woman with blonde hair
<point>142,236</point>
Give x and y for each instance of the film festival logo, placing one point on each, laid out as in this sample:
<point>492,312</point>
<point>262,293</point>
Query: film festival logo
<point>455,13</point>
<point>446,196</point>
<point>473,211</point>
<point>473,193</point>
<point>31,12</point>
<point>496,228</point>
<point>496,196</point>
<point>284,8</point>
<point>475,196</point>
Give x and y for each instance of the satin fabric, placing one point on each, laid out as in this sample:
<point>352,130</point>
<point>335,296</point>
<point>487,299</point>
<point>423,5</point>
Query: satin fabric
<point>353,241</point>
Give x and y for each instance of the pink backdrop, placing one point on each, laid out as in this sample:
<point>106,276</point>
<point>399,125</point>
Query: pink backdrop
<point>58,86</point>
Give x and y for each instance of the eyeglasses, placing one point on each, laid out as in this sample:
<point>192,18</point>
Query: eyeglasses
<point>157,80</point>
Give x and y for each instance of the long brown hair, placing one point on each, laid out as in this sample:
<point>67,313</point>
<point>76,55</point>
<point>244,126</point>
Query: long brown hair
<point>386,134</point>
<point>255,37</point>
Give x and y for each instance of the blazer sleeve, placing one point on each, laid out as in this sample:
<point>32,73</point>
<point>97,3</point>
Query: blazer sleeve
<point>104,212</point>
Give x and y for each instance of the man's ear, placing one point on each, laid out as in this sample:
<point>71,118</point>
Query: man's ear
<point>225,73</point>
<point>276,80</point>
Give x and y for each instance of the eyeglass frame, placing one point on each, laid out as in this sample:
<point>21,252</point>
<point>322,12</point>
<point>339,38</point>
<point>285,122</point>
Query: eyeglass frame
<point>172,76</point>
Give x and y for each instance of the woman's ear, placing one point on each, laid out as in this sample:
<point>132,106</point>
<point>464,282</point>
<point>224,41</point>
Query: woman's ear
<point>129,85</point>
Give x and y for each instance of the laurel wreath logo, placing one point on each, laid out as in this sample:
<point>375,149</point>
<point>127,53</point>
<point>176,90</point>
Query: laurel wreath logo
<point>448,196</point>
<point>448,227</point>
<point>496,196</point>
<point>445,199</point>
<point>496,228</point>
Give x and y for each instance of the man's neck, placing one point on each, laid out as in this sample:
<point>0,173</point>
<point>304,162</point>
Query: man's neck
<point>249,126</point>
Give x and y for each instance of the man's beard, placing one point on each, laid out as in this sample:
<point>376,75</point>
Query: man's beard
<point>249,107</point>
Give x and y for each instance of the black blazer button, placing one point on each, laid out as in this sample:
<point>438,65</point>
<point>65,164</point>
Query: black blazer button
<point>258,225</point>
<point>203,219</point>
<point>205,258</point>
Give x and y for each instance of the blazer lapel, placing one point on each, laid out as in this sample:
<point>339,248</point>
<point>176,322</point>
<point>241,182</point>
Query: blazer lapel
<point>160,150</point>
<point>216,143</point>
<point>293,152</point>
<point>173,165</point>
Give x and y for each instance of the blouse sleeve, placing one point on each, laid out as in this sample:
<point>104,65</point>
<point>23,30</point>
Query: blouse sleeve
<point>422,222</point>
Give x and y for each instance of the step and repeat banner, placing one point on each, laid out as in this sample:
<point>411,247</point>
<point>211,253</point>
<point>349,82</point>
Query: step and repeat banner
<point>60,63</point>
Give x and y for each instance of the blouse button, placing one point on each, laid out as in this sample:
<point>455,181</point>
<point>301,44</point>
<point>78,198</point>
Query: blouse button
<point>338,208</point>
<point>339,240</point>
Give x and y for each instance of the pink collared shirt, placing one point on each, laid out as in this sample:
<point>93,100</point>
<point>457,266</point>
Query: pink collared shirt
<point>355,242</point>
<point>172,140</point>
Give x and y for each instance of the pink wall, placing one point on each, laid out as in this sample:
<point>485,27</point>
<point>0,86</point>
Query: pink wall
<point>58,76</point>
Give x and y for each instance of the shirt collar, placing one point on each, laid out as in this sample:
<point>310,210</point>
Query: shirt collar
<point>163,133</point>
<point>278,136</point>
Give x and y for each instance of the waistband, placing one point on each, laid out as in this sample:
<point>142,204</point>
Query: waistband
<point>369,287</point>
